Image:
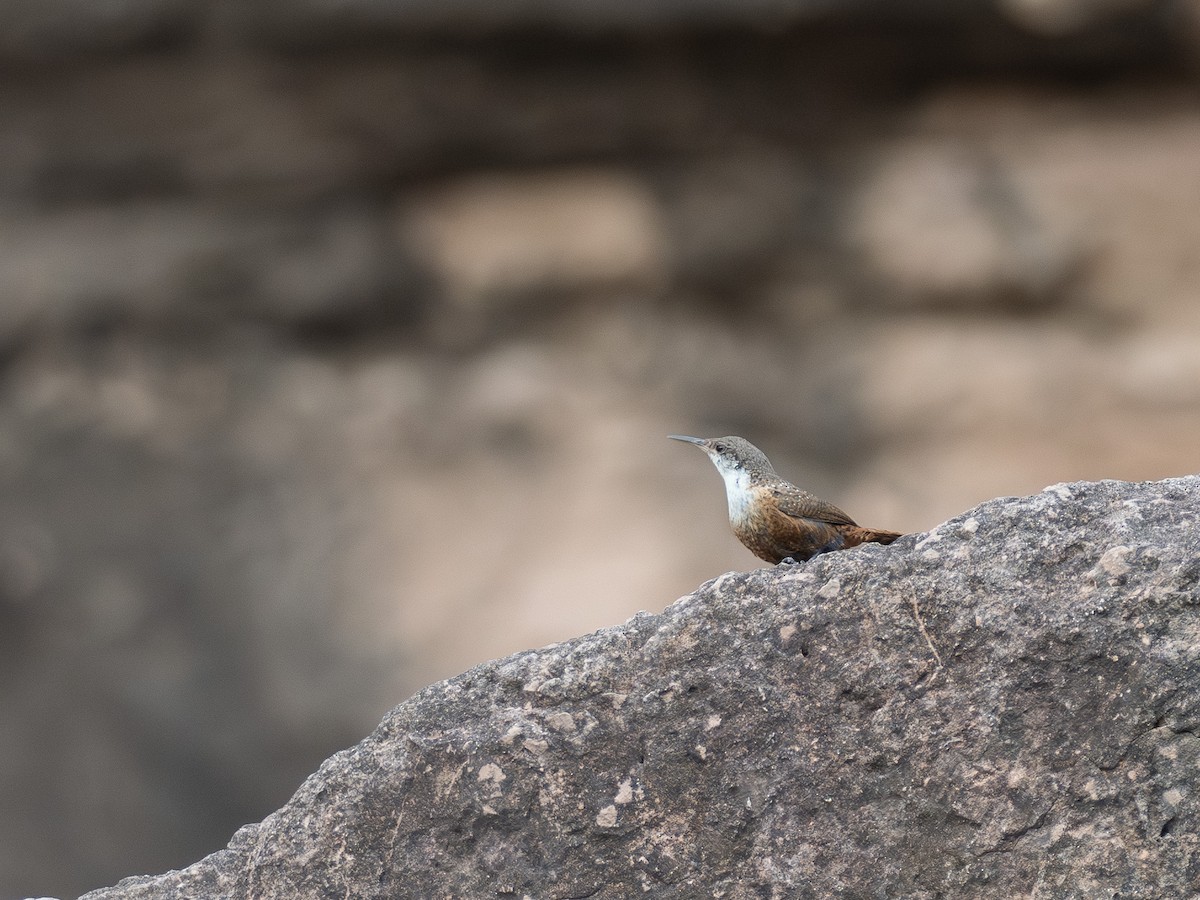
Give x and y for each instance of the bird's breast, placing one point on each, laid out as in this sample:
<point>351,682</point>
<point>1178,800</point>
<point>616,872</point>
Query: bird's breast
<point>772,535</point>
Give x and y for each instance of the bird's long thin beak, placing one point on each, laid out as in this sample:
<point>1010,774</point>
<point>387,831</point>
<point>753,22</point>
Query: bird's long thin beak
<point>700,442</point>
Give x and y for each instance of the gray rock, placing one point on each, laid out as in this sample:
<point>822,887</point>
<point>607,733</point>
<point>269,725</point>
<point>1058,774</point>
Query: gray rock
<point>276,18</point>
<point>321,18</point>
<point>34,29</point>
<point>67,268</point>
<point>1005,706</point>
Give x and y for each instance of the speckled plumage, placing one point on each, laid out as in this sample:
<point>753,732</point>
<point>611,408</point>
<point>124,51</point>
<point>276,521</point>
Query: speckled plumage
<point>775,519</point>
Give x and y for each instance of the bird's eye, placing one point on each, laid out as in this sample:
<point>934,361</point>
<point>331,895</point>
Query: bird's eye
<point>719,447</point>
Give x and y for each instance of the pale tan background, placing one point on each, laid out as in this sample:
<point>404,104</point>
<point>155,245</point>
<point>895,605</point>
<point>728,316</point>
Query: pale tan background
<point>340,341</point>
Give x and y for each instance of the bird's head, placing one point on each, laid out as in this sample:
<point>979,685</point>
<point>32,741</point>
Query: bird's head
<point>733,456</point>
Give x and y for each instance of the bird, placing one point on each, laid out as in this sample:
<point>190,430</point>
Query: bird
<point>777,521</point>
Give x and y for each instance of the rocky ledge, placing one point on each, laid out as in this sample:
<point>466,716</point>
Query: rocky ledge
<point>1006,706</point>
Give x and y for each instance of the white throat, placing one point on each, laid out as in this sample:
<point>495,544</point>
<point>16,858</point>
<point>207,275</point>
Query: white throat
<point>737,491</point>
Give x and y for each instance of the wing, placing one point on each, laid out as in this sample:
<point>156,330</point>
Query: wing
<point>803,505</point>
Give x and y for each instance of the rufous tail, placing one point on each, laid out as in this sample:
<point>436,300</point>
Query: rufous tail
<point>869,535</point>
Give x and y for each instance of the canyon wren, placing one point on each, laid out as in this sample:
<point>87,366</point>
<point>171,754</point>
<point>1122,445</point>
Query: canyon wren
<point>776,520</point>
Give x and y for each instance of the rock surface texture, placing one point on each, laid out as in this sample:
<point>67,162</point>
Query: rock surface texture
<point>1006,706</point>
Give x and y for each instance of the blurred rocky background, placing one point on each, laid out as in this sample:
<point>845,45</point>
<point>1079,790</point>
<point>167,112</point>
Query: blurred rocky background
<point>340,340</point>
